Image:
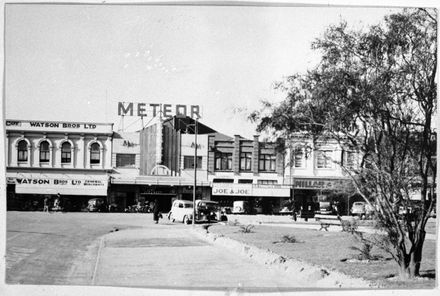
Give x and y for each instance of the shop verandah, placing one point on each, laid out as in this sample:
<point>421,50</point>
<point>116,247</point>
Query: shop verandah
<point>127,191</point>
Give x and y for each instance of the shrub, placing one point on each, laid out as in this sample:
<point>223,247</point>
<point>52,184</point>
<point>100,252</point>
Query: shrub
<point>364,251</point>
<point>287,239</point>
<point>350,226</point>
<point>246,228</point>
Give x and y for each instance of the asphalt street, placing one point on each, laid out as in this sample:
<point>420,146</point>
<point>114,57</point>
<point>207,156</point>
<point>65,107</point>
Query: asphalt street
<point>125,250</point>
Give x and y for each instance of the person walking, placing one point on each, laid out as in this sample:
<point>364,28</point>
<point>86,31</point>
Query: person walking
<point>46,204</point>
<point>156,212</point>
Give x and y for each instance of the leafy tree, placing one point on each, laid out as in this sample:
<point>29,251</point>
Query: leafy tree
<point>374,92</point>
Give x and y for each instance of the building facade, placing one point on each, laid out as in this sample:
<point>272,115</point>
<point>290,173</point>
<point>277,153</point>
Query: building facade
<point>246,170</point>
<point>46,158</point>
<point>314,171</point>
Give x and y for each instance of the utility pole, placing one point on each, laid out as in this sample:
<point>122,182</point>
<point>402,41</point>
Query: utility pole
<point>195,174</point>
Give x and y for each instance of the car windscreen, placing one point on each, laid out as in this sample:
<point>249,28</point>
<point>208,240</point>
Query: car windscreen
<point>208,205</point>
<point>187,205</point>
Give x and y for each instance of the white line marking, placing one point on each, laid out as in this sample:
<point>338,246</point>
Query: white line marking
<point>101,242</point>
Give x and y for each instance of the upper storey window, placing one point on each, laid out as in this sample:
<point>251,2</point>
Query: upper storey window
<point>95,156</point>
<point>44,151</point>
<point>66,152</point>
<point>323,159</point>
<point>223,161</point>
<point>267,162</point>
<point>22,148</point>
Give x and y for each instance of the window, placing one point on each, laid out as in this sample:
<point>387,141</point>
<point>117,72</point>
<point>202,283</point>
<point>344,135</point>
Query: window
<point>44,151</point>
<point>298,157</point>
<point>222,180</point>
<point>22,151</point>
<point>188,162</point>
<point>323,160</point>
<point>267,182</point>
<point>245,161</point>
<point>245,181</point>
<point>267,162</point>
<point>94,153</point>
<point>66,152</point>
<point>125,160</point>
<point>223,161</point>
<point>350,159</point>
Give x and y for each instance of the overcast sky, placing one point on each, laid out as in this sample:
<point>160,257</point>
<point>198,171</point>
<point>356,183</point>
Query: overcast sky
<point>76,62</point>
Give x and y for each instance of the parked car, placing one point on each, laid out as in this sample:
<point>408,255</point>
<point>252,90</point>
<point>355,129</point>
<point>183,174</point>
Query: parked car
<point>240,207</point>
<point>207,211</point>
<point>181,210</point>
<point>96,205</point>
<point>358,209</point>
<point>285,211</point>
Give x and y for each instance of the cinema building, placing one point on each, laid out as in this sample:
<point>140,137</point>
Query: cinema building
<point>45,158</point>
<point>165,169</point>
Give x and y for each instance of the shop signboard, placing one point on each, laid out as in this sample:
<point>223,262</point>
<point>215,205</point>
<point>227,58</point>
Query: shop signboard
<point>59,126</point>
<point>153,109</point>
<point>53,185</point>
<point>250,190</point>
<point>321,184</point>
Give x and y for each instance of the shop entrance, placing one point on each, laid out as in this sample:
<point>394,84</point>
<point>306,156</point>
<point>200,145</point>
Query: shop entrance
<point>164,200</point>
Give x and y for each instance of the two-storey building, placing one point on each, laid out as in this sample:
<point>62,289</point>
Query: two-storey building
<point>46,158</point>
<point>314,171</point>
<point>246,170</point>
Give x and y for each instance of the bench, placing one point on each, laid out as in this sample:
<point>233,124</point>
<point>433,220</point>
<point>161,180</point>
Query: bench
<point>327,220</point>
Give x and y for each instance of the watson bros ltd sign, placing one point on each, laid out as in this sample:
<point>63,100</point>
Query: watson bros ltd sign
<point>57,126</point>
<point>167,110</point>
<point>41,185</point>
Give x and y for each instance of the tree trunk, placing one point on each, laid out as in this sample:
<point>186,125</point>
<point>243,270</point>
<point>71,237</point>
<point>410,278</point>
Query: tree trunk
<point>410,263</point>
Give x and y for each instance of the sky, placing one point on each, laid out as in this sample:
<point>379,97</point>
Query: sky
<point>76,62</point>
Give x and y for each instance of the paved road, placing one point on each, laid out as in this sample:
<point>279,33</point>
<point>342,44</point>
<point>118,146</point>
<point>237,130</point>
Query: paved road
<point>84,249</point>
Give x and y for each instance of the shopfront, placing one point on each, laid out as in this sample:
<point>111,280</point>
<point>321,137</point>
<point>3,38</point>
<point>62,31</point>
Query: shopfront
<point>27,190</point>
<point>308,193</point>
<point>260,199</point>
<point>128,191</point>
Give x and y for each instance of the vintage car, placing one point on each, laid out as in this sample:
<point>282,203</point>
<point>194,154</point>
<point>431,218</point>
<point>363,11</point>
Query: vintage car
<point>181,210</point>
<point>240,207</point>
<point>358,209</point>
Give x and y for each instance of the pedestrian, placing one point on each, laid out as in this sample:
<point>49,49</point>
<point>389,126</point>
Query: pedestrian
<point>46,204</point>
<point>293,208</point>
<point>56,203</point>
<point>156,212</point>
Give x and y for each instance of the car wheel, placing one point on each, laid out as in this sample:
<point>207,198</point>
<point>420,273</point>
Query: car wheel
<point>185,220</point>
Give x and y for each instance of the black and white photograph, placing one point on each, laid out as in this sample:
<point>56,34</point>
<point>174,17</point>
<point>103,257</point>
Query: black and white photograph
<point>219,148</point>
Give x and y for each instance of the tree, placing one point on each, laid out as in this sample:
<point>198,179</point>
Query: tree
<point>374,92</point>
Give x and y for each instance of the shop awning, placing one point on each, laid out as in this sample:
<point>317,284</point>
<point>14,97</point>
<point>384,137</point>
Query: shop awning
<point>49,183</point>
<point>157,180</point>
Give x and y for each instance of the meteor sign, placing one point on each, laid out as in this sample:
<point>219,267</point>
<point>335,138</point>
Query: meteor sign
<point>167,110</point>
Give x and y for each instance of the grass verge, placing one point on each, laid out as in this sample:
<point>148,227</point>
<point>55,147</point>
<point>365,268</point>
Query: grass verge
<point>331,250</point>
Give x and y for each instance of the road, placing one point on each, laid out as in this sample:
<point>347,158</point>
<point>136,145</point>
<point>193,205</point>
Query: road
<point>125,250</point>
